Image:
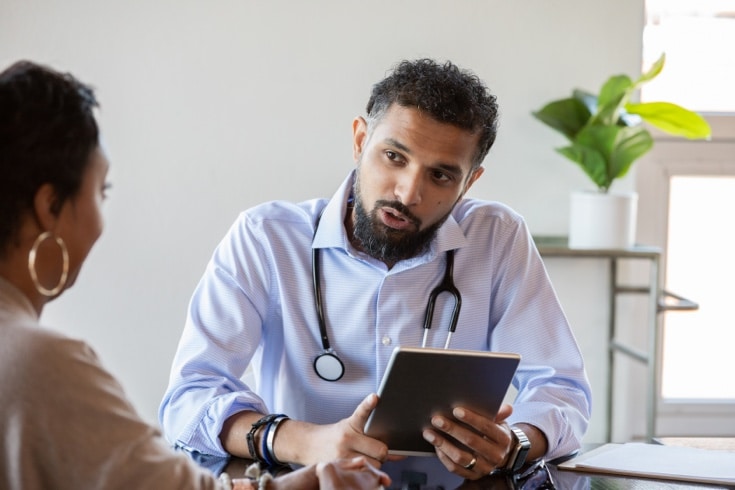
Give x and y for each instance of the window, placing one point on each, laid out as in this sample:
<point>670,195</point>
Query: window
<point>700,263</point>
<point>686,197</point>
<point>697,37</point>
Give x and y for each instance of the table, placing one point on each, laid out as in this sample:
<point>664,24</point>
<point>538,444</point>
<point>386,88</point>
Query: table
<point>562,480</point>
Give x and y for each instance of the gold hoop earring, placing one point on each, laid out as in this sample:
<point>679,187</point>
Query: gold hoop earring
<point>32,264</point>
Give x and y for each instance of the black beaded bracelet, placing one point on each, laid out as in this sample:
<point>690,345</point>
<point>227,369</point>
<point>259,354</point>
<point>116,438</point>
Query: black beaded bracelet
<point>251,436</point>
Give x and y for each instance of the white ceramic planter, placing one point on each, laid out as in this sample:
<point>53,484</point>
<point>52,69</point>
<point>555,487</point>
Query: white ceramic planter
<point>602,220</point>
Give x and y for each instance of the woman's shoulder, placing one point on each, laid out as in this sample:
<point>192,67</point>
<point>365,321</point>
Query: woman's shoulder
<point>32,350</point>
<point>38,365</point>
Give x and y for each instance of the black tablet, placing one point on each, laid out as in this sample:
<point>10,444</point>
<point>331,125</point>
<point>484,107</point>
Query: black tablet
<point>421,382</point>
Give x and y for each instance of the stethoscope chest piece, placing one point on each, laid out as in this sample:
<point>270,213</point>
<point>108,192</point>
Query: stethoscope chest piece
<point>328,366</point>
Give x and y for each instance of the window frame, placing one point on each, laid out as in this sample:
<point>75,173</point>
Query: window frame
<point>671,157</point>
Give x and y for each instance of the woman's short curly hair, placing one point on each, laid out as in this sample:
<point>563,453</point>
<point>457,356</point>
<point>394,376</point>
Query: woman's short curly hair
<point>444,92</point>
<point>47,134</point>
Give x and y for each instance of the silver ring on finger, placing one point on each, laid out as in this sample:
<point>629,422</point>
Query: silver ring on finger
<point>471,464</point>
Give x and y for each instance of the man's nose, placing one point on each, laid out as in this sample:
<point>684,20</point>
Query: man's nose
<point>409,188</point>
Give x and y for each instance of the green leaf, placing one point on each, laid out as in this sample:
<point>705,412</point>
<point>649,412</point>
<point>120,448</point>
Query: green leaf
<point>613,96</point>
<point>601,138</point>
<point>619,146</point>
<point>672,119</point>
<point>652,72</point>
<point>588,99</point>
<point>591,161</point>
<point>631,143</point>
<point>567,116</point>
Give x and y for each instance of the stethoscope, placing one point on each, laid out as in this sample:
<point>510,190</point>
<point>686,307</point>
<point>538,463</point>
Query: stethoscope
<point>327,364</point>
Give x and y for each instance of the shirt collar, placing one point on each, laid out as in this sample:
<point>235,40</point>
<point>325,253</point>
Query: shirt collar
<point>331,231</point>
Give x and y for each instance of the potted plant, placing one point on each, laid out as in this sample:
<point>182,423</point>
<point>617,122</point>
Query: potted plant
<point>606,136</point>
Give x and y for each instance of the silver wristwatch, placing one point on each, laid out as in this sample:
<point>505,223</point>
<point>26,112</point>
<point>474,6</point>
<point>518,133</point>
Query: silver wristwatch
<point>519,451</point>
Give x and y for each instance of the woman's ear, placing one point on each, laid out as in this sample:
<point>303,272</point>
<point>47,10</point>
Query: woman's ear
<point>46,207</point>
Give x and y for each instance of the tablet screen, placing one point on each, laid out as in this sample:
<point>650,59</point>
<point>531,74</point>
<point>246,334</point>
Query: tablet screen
<point>421,382</point>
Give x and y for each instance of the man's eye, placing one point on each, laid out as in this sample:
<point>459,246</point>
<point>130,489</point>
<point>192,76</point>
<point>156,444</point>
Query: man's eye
<point>394,158</point>
<point>441,176</point>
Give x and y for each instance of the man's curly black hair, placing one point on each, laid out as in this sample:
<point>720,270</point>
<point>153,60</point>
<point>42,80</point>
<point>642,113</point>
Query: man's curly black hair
<point>444,92</point>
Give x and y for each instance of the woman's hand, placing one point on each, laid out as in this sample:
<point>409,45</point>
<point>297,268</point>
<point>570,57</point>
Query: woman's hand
<point>355,473</point>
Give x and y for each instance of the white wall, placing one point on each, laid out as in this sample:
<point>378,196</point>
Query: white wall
<point>209,107</point>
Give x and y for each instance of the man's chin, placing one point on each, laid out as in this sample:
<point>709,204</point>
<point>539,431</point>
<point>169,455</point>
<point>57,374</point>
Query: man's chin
<point>396,237</point>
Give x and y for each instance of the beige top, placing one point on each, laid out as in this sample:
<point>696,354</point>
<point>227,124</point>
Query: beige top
<point>65,421</point>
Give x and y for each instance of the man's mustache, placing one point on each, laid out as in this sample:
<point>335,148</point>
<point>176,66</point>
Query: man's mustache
<point>401,208</point>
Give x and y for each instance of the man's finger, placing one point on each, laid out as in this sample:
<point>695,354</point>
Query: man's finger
<point>503,413</point>
<point>363,410</point>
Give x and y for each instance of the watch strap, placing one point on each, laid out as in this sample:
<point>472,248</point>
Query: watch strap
<point>519,451</point>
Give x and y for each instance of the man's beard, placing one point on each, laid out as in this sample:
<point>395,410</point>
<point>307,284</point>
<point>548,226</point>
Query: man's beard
<point>385,243</point>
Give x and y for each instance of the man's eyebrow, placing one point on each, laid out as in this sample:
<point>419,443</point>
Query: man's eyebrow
<point>398,144</point>
<point>451,168</point>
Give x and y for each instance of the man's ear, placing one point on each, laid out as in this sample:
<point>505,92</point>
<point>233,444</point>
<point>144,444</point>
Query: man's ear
<point>359,137</point>
<point>46,207</point>
<point>474,175</point>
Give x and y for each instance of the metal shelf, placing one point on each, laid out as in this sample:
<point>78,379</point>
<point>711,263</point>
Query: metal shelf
<point>658,301</point>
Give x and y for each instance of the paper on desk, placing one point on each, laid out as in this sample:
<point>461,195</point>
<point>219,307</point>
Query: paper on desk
<point>658,461</point>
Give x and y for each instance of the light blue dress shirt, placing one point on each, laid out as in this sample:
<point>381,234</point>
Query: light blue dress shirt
<point>254,306</point>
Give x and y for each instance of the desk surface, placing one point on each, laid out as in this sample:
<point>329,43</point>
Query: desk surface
<point>562,479</point>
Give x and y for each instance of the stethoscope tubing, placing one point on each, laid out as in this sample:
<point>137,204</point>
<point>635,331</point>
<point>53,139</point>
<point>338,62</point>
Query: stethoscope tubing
<point>327,364</point>
<point>446,286</point>
<point>318,304</point>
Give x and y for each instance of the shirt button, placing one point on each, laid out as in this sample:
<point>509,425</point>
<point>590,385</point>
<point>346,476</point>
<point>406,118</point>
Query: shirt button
<point>386,340</point>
